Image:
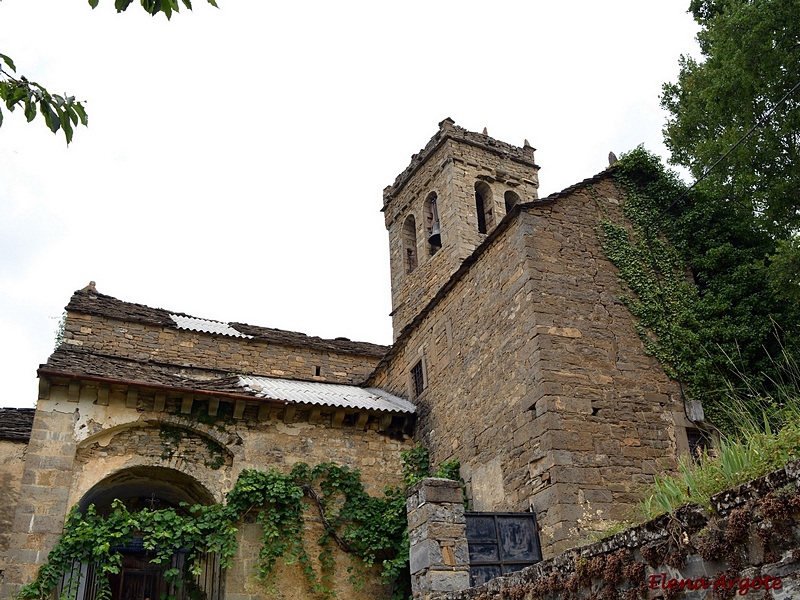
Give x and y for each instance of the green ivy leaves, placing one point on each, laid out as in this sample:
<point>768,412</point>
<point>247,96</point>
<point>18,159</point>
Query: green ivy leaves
<point>59,112</point>
<point>371,529</point>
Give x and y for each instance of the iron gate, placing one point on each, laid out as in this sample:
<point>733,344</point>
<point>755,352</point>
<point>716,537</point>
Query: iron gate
<point>501,543</point>
<point>139,579</point>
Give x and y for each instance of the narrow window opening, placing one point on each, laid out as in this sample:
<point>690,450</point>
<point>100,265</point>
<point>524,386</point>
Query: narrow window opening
<point>317,371</point>
<point>512,199</point>
<point>409,238</point>
<point>483,206</point>
<point>418,379</point>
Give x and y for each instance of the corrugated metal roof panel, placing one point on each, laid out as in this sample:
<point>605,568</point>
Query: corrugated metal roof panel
<point>195,324</point>
<point>325,394</point>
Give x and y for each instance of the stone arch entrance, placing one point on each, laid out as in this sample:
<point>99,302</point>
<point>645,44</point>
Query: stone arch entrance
<point>155,488</point>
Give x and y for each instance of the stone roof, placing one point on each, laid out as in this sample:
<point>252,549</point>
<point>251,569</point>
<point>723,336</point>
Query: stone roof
<point>72,361</point>
<point>83,364</point>
<point>94,303</point>
<point>16,423</point>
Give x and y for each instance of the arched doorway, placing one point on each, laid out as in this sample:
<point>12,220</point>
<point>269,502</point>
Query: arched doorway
<point>138,578</point>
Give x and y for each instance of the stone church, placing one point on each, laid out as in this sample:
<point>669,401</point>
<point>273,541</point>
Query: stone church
<point>512,353</point>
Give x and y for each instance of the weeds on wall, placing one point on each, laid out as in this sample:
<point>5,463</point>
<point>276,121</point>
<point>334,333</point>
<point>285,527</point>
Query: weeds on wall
<point>760,448</point>
<point>60,329</point>
<point>372,530</point>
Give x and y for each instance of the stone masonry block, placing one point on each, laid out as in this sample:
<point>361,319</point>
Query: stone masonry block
<point>440,490</point>
<point>424,554</point>
<point>448,581</point>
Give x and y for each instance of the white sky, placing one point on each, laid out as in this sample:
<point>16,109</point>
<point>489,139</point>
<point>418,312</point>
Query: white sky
<point>235,159</point>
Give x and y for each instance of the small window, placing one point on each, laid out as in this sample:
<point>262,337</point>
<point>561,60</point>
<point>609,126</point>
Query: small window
<point>418,379</point>
<point>698,443</point>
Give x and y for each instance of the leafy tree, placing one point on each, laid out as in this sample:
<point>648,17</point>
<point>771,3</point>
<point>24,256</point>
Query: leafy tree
<point>730,325</point>
<point>752,61</point>
<point>63,112</point>
<point>59,112</point>
<point>735,124</point>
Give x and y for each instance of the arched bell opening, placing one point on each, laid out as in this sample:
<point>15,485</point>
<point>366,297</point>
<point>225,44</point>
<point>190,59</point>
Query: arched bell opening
<point>410,243</point>
<point>432,224</point>
<point>150,488</point>
<point>511,200</point>
<point>483,206</point>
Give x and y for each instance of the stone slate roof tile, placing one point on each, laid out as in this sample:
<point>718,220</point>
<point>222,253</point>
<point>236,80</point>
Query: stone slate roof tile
<point>95,303</point>
<point>16,423</point>
<point>77,362</point>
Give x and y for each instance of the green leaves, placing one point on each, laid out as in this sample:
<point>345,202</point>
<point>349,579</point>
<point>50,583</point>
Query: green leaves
<point>721,328</point>
<point>751,59</point>
<point>59,112</point>
<point>372,529</point>
<point>63,113</point>
<point>154,7</point>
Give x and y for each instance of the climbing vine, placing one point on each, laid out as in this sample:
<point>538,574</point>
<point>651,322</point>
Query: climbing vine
<point>661,298</point>
<point>716,302</point>
<point>372,530</point>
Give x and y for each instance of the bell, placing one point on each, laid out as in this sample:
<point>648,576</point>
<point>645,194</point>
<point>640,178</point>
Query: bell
<point>435,237</point>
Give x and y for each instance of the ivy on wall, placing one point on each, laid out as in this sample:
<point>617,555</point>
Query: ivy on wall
<point>372,530</point>
<point>708,288</point>
<point>654,272</point>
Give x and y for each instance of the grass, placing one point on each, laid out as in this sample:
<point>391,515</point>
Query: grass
<point>761,445</point>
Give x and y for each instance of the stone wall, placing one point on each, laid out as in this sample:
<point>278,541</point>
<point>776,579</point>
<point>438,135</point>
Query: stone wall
<point>747,544</point>
<point>12,461</point>
<point>536,380</point>
<point>438,553</point>
<point>77,447</point>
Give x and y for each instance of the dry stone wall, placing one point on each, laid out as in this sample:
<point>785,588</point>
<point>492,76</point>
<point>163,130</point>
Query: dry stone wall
<point>535,377</point>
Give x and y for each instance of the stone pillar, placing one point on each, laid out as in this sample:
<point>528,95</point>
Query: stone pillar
<point>42,506</point>
<point>437,531</point>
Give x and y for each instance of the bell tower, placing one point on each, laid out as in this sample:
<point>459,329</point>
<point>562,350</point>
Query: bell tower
<point>444,205</point>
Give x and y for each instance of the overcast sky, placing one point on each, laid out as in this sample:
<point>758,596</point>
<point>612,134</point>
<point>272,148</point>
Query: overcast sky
<point>235,158</point>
